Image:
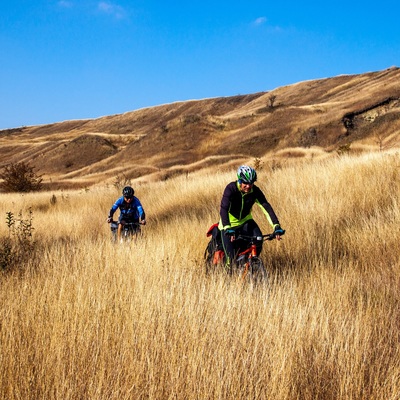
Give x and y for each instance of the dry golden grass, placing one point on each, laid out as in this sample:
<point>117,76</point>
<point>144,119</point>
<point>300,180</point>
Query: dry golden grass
<point>93,320</point>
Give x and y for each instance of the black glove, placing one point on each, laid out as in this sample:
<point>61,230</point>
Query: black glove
<point>109,219</point>
<point>278,231</point>
<point>229,232</point>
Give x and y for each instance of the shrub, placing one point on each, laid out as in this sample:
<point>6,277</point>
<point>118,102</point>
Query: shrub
<point>18,247</point>
<point>20,177</point>
<point>258,163</point>
<point>121,181</point>
<point>343,149</point>
<point>271,99</point>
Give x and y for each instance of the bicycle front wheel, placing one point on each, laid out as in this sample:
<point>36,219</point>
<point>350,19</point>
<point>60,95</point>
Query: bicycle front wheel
<point>257,272</point>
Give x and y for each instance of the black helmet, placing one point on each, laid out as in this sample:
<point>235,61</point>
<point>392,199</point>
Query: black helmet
<point>128,192</point>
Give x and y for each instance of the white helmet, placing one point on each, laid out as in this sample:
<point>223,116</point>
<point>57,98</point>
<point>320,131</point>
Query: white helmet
<point>246,174</point>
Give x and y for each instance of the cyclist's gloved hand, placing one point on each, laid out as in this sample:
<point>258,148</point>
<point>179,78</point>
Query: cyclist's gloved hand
<point>230,232</point>
<point>109,219</point>
<point>143,222</point>
<point>278,231</point>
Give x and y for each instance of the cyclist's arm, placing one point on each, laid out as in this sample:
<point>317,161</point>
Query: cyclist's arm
<point>140,210</point>
<point>225,206</point>
<point>267,209</point>
<point>115,206</point>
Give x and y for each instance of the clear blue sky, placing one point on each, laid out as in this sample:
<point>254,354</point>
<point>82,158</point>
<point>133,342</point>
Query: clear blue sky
<point>75,59</point>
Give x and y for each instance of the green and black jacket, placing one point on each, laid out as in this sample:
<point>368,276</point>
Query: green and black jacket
<point>236,206</point>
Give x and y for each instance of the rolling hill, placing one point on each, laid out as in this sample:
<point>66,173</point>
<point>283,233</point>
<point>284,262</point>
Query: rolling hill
<point>305,120</point>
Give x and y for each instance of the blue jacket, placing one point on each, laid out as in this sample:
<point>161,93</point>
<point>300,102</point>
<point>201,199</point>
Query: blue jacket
<point>132,210</point>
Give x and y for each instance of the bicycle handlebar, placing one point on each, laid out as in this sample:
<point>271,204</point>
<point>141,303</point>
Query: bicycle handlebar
<point>268,236</point>
<point>126,223</point>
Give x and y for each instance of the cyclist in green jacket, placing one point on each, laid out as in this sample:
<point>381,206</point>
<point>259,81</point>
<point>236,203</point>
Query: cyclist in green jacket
<point>235,212</point>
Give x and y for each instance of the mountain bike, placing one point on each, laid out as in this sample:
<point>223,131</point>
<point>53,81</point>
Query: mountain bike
<point>248,266</point>
<point>130,231</point>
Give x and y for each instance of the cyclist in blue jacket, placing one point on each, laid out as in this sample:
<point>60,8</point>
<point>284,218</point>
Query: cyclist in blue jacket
<point>130,209</point>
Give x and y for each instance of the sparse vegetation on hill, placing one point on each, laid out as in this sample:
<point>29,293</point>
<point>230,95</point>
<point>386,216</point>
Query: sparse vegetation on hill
<point>92,320</point>
<point>322,115</point>
<point>20,177</point>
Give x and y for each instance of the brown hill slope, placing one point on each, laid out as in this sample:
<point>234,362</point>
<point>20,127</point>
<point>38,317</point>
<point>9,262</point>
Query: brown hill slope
<point>324,115</point>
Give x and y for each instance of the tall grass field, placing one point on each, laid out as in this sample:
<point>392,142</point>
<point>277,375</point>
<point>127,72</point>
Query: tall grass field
<point>84,318</point>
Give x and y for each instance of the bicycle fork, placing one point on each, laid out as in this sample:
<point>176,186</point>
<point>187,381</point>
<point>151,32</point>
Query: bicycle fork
<point>252,253</point>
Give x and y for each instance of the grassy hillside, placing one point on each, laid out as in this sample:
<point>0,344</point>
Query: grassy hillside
<point>82,318</point>
<point>306,119</point>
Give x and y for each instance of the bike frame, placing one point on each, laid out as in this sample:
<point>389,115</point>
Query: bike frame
<point>252,248</point>
<point>251,251</point>
<point>246,263</point>
<point>129,230</point>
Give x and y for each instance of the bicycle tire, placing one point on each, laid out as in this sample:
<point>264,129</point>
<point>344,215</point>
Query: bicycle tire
<point>257,271</point>
<point>129,235</point>
<point>252,270</point>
